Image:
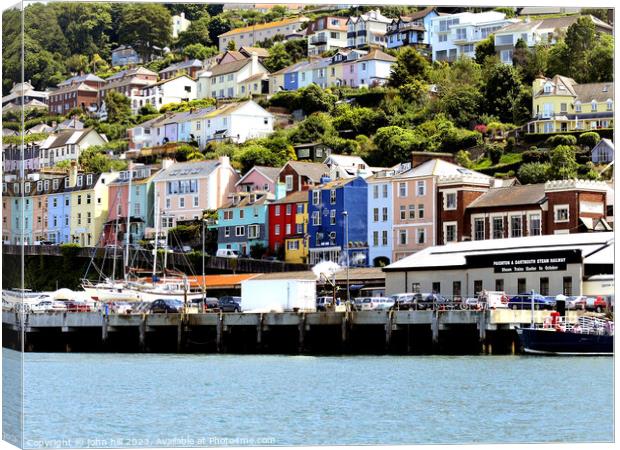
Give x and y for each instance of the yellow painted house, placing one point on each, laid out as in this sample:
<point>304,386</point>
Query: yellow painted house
<point>89,205</point>
<point>560,104</point>
<point>296,247</point>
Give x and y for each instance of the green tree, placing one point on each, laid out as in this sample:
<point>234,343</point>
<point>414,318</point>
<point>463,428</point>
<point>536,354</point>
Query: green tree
<point>313,129</point>
<point>484,49</point>
<point>463,158</point>
<point>589,139</point>
<point>219,25</point>
<point>395,144</point>
<point>198,32</point>
<point>599,13</point>
<point>534,172</point>
<point>563,163</point>
<point>193,11</point>
<point>144,26</point>
<point>278,58</point>
<point>118,107</point>
<point>199,51</point>
<point>602,60</point>
<point>462,106</point>
<point>93,160</point>
<point>257,155</point>
<point>85,26</point>
<point>314,99</point>
<point>232,45</point>
<point>410,66</point>
<point>560,139</point>
<point>147,109</point>
<point>504,95</point>
<point>509,12</point>
<point>296,48</point>
<point>77,63</point>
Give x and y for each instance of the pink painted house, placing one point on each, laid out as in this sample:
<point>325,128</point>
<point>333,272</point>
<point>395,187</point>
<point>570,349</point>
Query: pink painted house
<point>184,190</point>
<point>349,73</point>
<point>416,213</point>
<point>259,178</point>
<point>6,215</point>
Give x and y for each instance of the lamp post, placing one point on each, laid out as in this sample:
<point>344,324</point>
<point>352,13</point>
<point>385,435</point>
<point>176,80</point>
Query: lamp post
<point>346,246</point>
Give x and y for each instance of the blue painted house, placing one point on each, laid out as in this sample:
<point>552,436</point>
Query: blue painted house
<point>59,212</point>
<point>413,29</point>
<point>329,228</point>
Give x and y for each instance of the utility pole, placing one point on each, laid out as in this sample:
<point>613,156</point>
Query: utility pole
<point>346,246</point>
<point>128,229</point>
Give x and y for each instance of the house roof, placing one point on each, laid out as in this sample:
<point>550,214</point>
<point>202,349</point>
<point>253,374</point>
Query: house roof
<point>66,137</point>
<point>182,65</point>
<point>346,160</point>
<point>233,66</point>
<point>454,254</point>
<point>337,183</point>
<point>159,83</point>
<point>258,76</point>
<point>604,143</point>
<point>420,14</point>
<point>131,72</point>
<point>226,281</point>
<point>260,52</point>
<point>39,128</point>
<point>190,169</point>
<point>529,194</point>
<point>73,87</point>
<point>439,167</point>
<point>228,108</point>
<point>294,197</point>
<point>270,173</point>
<point>599,92</point>
<point>263,26</point>
<point>311,170</point>
<point>245,197</point>
<point>377,54</point>
<point>236,55</point>
<point>81,79</point>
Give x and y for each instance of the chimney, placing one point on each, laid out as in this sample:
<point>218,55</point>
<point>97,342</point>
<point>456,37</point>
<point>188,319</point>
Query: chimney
<point>182,14</point>
<point>224,160</point>
<point>166,162</point>
<point>254,63</point>
<point>73,171</point>
<point>418,158</point>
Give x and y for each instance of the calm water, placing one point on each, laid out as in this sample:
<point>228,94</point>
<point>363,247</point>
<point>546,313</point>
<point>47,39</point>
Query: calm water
<point>184,400</point>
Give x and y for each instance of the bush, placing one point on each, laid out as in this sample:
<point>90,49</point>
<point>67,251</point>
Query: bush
<point>257,251</point>
<point>534,172</point>
<point>589,139</point>
<point>510,144</point>
<point>535,156</point>
<point>494,153</point>
<point>561,139</point>
<point>463,158</point>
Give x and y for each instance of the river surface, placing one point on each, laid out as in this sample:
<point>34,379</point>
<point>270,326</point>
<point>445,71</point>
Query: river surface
<point>130,400</point>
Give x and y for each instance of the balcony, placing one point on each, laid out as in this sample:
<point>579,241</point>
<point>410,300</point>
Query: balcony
<point>318,39</point>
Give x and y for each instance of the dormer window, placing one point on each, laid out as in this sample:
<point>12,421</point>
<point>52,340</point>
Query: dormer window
<point>610,105</point>
<point>594,106</point>
<point>547,88</point>
<point>46,185</point>
<point>79,181</point>
<point>26,188</point>
<point>16,188</point>
<point>55,183</point>
<point>89,179</point>
<point>66,182</point>
<point>39,185</point>
<point>578,106</point>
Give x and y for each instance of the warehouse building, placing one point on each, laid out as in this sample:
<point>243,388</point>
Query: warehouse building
<point>570,264</point>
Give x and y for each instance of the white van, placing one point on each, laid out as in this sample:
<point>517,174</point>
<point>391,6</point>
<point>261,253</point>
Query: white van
<point>494,299</point>
<point>227,253</point>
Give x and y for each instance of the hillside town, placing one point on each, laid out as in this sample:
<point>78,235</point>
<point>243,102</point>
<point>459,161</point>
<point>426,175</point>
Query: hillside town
<point>313,134</point>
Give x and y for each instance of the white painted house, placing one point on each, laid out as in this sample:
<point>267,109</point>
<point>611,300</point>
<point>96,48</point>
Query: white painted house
<point>367,29</point>
<point>174,90</point>
<point>67,145</point>
<point>236,122</point>
<point>226,80</point>
<point>374,68</point>
<point>457,34</point>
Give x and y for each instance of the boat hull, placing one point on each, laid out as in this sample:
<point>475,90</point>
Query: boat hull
<point>551,342</point>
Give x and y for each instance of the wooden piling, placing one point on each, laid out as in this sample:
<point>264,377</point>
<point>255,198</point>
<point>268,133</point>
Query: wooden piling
<point>388,330</point>
<point>259,333</point>
<point>219,333</point>
<point>435,328</point>
<point>104,328</point>
<point>142,333</point>
<point>301,332</point>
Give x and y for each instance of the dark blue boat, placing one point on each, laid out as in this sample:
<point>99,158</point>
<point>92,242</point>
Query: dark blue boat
<point>588,337</point>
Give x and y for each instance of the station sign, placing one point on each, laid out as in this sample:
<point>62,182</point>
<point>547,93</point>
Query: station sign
<point>525,261</point>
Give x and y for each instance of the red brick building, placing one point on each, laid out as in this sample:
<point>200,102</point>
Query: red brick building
<point>81,91</point>
<point>469,211</point>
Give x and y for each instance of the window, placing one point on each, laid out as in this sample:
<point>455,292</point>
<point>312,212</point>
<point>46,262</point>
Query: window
<point>226,231</point>
<point>253,231</point>
<point>534,227</point>
<point>277,230</point>
<point>375,191</point>
<point>578,106</point>
<point>289,209</point>
<point>332,197</point>
<point>332,217</point>
<point>88,217</point>
<point>375,215</point>
<point>402,190</point>
<point>420,211</point>
<point>88,199</point>
<point>436,287</point>
<point>594,106</point>
<point>478,229</point>
<point>499,284</point>
<point>477,286</point>
<point>300,208</point>
<point>228,215</point>
<point>181,202</point>
<point>195,202</point>
<point>498,227</point>
<point>384,238</point>
<point>288,229</point>
<point>544,286</point>
<point>316,195</point>
<point>516,226</point>
<point>412,211</point>
<point>241,213</point>
<point>299,228</point>
<point>79,199</point>
<point>375,238</point>
<point>563,108</point>
<point>277,210</point>
<point>521,286</point>
<point>561,213</point>
<point>385,191</point>
<point>403,212</point>
<point>456,289</point>
<point>402,237</point>
<point>450,200</point>
<point>79,218</point>
<point>421,188</point>
<point>610,105</point>
<point>288,179</point>
<point>316,218</point>
<point>384,217</point>
<point>450,232</point>
<point>421,235</point>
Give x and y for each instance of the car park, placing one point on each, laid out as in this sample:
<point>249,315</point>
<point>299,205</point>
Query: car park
<point>230,304</point>
<point>166,306</point>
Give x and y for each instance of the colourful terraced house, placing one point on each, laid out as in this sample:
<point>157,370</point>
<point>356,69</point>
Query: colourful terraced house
<point>59,211</point>
<point>89,206</point>
<point>288,223</point>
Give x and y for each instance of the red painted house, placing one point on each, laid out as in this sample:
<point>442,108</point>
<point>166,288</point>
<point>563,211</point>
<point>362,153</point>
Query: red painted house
<point>286,220</point>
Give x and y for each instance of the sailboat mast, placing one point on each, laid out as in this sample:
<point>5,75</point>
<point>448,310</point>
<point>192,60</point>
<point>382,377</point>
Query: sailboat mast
<point>157,221</point>
<point>128,229</point>
<point>116,202</point>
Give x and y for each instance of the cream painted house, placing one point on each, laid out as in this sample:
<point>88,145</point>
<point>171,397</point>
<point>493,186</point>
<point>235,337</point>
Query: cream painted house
<point>226,80</point>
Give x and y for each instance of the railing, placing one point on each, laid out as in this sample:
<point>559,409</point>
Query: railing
<point>584,325</point>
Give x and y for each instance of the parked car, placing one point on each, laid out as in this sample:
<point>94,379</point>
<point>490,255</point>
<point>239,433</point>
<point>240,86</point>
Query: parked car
<point>121,307</point>
<point>227,253</point>
<point>166,306</point>
<point>576,302</point>
<point>323,303</point>
<point>524,301</point>
<point>212,304</point>
<point>494,299</point>
<point>430,301</point>
<point>598,304</point>
<point>381,303</point>
<point>402,301</point>
<point>473,303</point>
<point>230,304</point>
<point>182,249</point>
